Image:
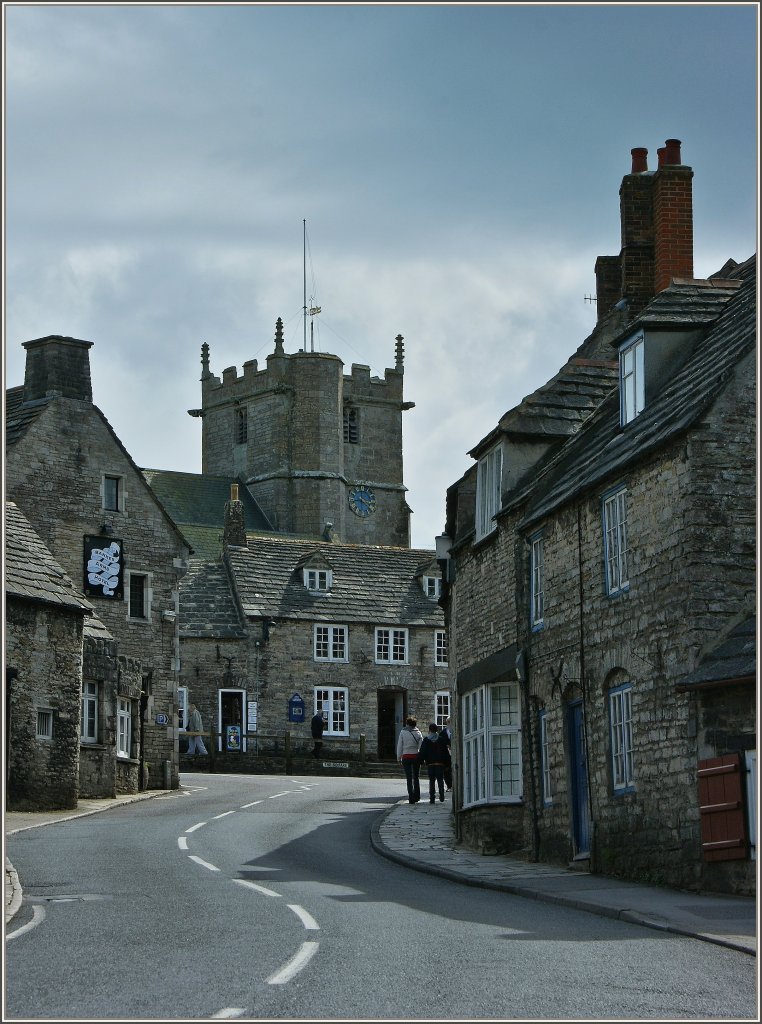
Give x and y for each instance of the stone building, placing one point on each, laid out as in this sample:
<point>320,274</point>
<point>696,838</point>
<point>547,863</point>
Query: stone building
<point>601,585</point>
<point>70,475</point>
<point>303,584</point>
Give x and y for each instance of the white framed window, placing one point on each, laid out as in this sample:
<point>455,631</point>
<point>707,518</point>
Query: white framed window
<point>440,648</point>
<point>492,770</point>
<point>44,726</point>
<point>391,646</point>
<point>537,582</point>
<point>331,643</point>
<point>547,790</point>
<point>432,587</point>
<point>632,389</point>
<point>112,492</point>
<point>620,717</point>
<point>241,426</point>
<point>138,596</point>
<point>333,704</point>
<point>318,579</point>
<point>488,481</point>
<point>751,800</point>
<point>123,727</point>
<point>88,726</point>
<point>441,707</point>
<point>615,542</point>
<point>182,707</point>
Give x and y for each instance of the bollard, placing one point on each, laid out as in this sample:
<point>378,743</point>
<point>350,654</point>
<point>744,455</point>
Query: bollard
<point>287,751</point>
<point>167,767</point>
<point>362,748</point>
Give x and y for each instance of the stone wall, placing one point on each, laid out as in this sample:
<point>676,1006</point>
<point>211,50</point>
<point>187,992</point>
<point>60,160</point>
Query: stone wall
<point>44,647</point>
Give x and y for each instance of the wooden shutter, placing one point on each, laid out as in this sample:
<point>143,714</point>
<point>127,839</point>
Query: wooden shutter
<point>723,825</point>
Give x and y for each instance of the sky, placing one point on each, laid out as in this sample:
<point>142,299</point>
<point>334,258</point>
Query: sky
<point>457,167</point>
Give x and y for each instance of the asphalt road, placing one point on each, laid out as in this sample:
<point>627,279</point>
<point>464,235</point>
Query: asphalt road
<point>260,897</point>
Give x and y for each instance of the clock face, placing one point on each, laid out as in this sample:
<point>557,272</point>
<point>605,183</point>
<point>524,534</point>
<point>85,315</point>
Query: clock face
<point>362,501</point>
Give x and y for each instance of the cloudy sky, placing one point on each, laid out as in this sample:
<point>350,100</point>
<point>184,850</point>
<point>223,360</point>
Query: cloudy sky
<point>457,166</point>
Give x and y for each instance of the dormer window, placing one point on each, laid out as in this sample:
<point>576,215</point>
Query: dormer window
<point>632,390</point>
<point>488,481</point>
<point>432,587</point>
<point>318,579</point>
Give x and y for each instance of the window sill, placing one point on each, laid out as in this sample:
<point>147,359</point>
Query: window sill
<point>86,745</point>
<point>504,801</point>
<point>127,760</point>
<point>612,595</point>
<point>538,627</point>
<point>483,542</point>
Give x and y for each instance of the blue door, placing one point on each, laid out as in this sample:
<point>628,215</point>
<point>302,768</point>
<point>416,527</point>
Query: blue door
<point>578,764</point>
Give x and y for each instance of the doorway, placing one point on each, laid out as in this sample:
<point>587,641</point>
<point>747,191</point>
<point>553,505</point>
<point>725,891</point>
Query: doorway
<point>580,808</point>
<point>231,721</point>
<point>392,708</point>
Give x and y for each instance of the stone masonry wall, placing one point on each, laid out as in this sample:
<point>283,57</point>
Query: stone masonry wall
<point>45,648</point>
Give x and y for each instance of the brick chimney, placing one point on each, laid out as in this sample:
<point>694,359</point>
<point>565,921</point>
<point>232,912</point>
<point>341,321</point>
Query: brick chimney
<point>57,366</point>
<point>656,215</point>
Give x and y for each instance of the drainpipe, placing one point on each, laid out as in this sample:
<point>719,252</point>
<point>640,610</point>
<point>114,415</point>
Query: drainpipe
<point>523,677</point>
<point>584,681</point>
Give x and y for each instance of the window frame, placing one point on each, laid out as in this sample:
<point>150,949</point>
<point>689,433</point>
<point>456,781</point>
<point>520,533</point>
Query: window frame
<point>750,764</point>
<point>489,473</point>
<point>182,707</point>
<point>146,596</point>
<point>392,643</point>
<point>319,575</point>
<point>442,707</point>
<point>615,543</point>
<point>240,424</point>
<point>479,732</point>
<point>621,739</point>
<point>89,718</point>
<point>123,727</point>
<point>537,581</point>
<point>333,633</point>
<point>441,649</point>
<point>44,716</point>
<point>350,424</point>
<point>432,587</point>
<point>118,481</point>
<point>325,699</point>
<point>632,379</point>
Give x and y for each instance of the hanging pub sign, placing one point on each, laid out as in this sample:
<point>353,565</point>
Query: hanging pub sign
<point>233,737</point>
<point>104,568</point>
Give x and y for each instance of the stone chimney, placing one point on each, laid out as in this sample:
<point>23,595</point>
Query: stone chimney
<point>57,366</point>
<point>656,214</point>
<point>234,530</point>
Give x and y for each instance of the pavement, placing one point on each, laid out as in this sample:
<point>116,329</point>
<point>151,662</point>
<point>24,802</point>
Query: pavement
<point>422,837</point>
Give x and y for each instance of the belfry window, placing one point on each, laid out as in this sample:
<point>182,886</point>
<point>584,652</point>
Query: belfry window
<point>351,425</point>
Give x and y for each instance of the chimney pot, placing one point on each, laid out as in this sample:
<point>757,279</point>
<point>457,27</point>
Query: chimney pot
<point>672,151</point>
<point>639,160</point>
<point>234,492</point>
<point>662,154</point>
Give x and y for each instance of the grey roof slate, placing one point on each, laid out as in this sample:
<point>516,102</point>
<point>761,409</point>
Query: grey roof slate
<point>31,571</point>
<point>207,605</point>
<point>19,415</point>
<point>602,448</point>
<point>732,658</point>
<point>379,585</point>
<point>198,500</point>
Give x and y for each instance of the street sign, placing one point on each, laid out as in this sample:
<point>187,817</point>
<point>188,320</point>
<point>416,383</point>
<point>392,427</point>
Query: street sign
<point>162,719</point>
<point>336,764</point>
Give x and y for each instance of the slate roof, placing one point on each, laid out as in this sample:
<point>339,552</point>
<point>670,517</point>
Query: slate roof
<point>732,659</point>
<point>601,447</point>
<point>379,585</point>
<point>198,500</point>
<point>31,572</point>
<point>207,605</point>
<point>20,415</point>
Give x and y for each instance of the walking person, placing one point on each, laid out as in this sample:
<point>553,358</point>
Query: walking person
<point>446,733</point>
<point>435,754</point>
<point>317,727</point>
<point>408,742</point>
<point>195,726</point>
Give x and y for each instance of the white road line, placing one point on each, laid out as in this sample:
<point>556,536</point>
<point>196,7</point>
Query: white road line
<point>284,793</point>
<point>307,920</point>
<point>38,916</point>
<point>302,958</point>
<point>228,1012</point>
<point>182,842</point>
<point>253,885</point>
<point>252,804</point>
<point>223,815</point>
<point>194,827</point>
<point>203,863</point>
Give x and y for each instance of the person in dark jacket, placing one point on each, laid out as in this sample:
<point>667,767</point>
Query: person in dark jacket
<point>435,754</point>
<point>317,727</point>
<point>446,734</point>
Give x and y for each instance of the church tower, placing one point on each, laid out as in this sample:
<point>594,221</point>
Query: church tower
<point>313,445</point>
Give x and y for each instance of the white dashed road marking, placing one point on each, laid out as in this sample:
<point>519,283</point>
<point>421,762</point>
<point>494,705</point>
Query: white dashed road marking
<point>182,842</point>
<point>228,1013</point>
<point>194,827</point>
<point>38,916</point>
<point>307,920</point>
<point>252,804</point>
<point>257,888</point>
<point>302,958</point>
<point>275,795</point>
<point>223,815</point>
<point>203,863</point>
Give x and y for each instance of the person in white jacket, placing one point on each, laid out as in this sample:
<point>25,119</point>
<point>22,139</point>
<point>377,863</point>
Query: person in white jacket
<point>408,743</point>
